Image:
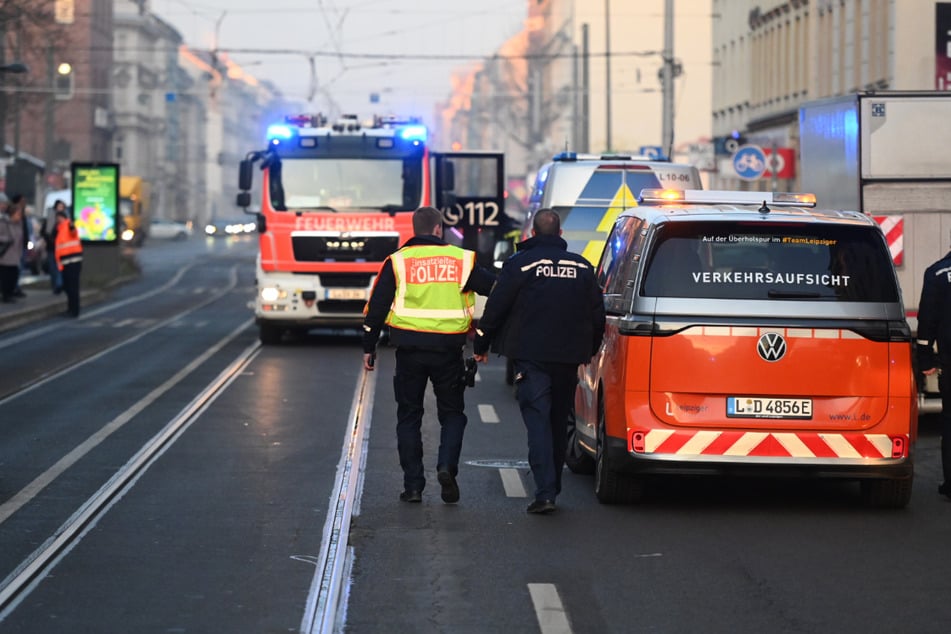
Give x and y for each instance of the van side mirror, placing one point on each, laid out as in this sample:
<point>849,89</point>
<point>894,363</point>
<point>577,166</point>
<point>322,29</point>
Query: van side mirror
<point>244,199</point>
<point>245,175</point>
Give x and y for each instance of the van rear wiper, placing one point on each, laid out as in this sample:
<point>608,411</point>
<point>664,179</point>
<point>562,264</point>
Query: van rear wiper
<point>774,294</point>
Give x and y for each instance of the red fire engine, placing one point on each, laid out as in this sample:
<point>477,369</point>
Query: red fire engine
<point>338,198</point>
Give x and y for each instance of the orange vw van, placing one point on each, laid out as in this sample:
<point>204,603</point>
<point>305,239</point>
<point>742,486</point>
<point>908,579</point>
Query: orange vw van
<point>749,333</point>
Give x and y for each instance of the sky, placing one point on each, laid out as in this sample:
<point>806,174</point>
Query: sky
<point>403,51</point>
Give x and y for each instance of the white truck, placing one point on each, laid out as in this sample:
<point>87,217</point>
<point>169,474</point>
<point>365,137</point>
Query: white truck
<point>886,153</point>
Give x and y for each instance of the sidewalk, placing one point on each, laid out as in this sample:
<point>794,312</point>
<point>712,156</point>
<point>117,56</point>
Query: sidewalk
<point>40,302</point>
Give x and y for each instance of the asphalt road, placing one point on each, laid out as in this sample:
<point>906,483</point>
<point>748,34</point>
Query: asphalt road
<point>223,527</point>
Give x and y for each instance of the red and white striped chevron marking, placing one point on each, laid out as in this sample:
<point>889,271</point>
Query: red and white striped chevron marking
<point>894,229</point>
<point>742,444</point>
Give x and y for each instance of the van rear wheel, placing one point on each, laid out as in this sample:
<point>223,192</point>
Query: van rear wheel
<point>893,493</point>
<point>611,486</point>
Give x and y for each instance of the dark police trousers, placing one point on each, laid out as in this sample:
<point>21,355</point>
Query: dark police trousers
<point>415,367</point>
<point>71,275</point>
<point>546,393</point>
<point>944,386</point>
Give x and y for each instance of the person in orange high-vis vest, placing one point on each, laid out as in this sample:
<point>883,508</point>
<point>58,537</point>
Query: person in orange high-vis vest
<point>69,260</point>
<point>424,293</point>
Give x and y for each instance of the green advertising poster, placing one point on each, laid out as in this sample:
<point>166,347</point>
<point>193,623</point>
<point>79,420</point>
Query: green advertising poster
<point>96,201</point>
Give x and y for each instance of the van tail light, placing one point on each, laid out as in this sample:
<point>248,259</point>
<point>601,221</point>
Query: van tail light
<point>898,446</point>
<point>637,441</point>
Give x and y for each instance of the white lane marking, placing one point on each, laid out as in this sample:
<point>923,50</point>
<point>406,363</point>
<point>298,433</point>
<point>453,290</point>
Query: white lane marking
<point>488,414</point>
<point>512,482</point>
<point>548,609</point>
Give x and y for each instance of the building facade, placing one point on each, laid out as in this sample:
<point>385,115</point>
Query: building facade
<point>772,56</point>
<point>585,76</point>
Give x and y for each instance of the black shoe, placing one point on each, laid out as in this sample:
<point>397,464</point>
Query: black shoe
<point>944,489</point>
<point>19,293</point>
<point>450,490</point>
<point>414,497</point>
<point>542,507</point>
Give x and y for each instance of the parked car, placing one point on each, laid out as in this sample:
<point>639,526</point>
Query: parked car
<point>161,229</point>
<point>224,227</point>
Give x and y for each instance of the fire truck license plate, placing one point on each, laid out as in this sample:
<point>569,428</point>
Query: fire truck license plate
<point>757,407</point>
<point>346,293</point>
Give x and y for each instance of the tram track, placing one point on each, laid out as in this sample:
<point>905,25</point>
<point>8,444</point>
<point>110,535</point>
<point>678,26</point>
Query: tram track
<point>57,372</point>
<point>34,568</point>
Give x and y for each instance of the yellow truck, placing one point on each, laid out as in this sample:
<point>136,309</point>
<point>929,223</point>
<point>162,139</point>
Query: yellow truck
<point>134,209</point>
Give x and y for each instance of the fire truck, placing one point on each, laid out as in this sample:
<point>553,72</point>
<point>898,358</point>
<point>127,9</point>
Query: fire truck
<point>336,198</point>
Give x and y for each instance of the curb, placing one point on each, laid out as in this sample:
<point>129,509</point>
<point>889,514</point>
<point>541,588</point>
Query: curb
<point>56,304</point>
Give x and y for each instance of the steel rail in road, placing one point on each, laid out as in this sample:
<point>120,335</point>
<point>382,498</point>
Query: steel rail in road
<point>32,571</point>
<point>326,601</point>
<point>32,334</point>
<point>29,387</point>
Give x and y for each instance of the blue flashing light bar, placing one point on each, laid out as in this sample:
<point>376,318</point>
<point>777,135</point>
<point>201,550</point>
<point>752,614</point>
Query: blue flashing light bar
<point>413,133</point>
<point>279,131</point>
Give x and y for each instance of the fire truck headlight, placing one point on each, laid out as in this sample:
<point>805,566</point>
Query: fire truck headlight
<point>271,294</point>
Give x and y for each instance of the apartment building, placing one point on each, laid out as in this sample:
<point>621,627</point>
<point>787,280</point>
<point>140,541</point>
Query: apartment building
<point>771,56</point>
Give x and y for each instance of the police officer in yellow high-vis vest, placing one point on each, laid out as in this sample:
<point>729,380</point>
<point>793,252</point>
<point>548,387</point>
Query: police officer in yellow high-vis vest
<point>425,294</point>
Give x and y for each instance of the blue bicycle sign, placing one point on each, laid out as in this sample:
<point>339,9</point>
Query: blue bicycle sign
<point>749,162</point>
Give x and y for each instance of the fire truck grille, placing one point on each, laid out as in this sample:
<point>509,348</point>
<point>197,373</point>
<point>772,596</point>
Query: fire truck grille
<point>343,249</point>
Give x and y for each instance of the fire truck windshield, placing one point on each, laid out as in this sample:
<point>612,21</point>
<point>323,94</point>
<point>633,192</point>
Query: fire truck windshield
<point>349,184</point>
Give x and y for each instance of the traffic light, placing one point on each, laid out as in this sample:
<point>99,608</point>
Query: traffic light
<point>63,88</point>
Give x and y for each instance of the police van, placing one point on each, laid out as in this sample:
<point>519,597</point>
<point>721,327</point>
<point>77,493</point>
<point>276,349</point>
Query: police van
<point>747,333</point>
<point>589,191</point>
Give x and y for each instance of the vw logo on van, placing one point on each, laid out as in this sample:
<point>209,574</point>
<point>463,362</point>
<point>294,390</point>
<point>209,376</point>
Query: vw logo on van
<point>771,346</point>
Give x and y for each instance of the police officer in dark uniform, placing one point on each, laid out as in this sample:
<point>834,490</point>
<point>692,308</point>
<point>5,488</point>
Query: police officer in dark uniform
<point>546,314</point>
<point>425,294</point>
<point>934,326</point>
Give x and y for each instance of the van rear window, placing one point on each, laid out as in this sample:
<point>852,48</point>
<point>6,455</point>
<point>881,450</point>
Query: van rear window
<point>774,261</point>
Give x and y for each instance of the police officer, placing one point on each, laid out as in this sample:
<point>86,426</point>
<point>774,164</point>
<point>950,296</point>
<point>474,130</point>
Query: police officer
<point>546,314</point>
<point>934,326</point>
<point>425,294</point>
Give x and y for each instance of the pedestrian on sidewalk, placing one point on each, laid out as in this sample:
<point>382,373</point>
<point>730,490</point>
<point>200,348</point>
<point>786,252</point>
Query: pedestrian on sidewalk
<point>425,294</point>
<point>546,314</point>
<point>18,208</point>
<point>48,233</point>
<point>11,249</point>
<point>69,260</point>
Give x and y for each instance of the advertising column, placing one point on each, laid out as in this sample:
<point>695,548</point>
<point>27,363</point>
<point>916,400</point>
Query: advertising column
<point>96,214</point>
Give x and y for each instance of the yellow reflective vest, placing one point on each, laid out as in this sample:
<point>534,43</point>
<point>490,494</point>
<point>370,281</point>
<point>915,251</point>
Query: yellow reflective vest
<point>429,283</point>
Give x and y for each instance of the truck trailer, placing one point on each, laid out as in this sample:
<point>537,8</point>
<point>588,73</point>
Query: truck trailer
<point>885,153</point>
